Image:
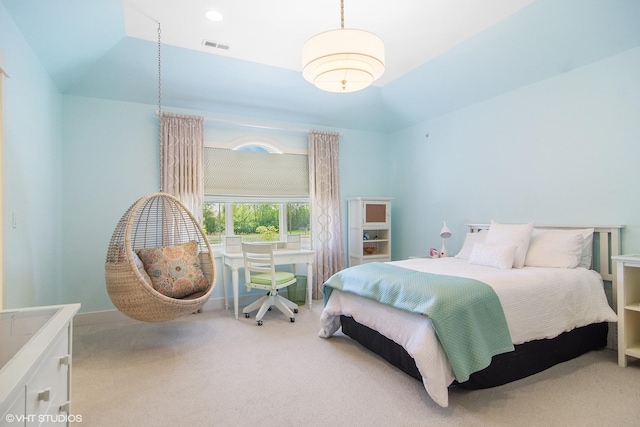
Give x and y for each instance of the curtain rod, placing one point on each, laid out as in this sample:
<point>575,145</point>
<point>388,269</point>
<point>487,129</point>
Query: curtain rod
<point>251,125</point>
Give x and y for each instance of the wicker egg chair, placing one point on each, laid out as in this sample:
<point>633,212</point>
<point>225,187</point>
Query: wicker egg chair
<point>156,220</point>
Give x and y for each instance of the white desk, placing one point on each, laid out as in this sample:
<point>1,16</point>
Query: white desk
<point>235,261</point>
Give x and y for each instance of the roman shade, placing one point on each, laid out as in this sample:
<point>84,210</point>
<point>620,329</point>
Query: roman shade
<point>247,173</point>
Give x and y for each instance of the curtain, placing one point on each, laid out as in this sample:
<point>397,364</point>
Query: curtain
<point>326,221</point>
<point>181,160</point>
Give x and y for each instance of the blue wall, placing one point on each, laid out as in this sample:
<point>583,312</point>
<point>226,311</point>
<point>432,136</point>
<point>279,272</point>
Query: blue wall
<point>110,159</point>
<point>31,175</point>
<point>73,165</point>
<point>561,151</point>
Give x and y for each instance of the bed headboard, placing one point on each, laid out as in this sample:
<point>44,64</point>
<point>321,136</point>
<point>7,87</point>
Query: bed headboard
<point>606,243</point>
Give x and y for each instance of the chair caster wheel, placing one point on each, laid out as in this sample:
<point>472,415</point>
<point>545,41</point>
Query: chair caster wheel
<point>246,315</point>
<point>259,322</point>
<point>295,310</point>
<point>269,309</point>
<point>293,319</point>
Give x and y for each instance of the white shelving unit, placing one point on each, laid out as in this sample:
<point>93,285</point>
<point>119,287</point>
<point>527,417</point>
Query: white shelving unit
<point>369,230</point>
<point>628,275</point>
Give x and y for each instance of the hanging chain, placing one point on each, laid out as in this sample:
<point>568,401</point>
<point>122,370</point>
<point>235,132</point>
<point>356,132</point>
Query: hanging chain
<point>160,106</point>
<point>159,71</point>
<point>343,81</point>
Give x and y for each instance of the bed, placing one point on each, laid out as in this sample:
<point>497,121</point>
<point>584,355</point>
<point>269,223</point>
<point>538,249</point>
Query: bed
<point>548,281</point>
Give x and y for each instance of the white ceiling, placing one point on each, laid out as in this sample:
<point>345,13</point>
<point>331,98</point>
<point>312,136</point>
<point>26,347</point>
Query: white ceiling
<point>273,32</point>
<point>441,55</point>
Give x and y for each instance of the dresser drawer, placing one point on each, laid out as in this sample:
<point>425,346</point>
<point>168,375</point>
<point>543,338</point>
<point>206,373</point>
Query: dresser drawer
<point>48,389</point>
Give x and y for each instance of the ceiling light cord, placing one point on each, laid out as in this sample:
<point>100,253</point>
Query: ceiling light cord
<point>343,82</point>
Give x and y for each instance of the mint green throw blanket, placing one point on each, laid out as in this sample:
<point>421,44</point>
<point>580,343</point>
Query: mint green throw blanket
<point>466,313</point>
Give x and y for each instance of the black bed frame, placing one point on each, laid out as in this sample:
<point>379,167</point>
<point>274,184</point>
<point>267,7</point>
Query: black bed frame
<point>527,359</point>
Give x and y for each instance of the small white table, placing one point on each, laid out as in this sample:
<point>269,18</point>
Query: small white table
<point>235,261</point>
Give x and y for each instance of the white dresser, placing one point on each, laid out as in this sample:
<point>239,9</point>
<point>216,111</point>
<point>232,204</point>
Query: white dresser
<point>35,370</point>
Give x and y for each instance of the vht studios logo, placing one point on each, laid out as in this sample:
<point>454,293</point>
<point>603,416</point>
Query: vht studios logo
<point>42,418</point>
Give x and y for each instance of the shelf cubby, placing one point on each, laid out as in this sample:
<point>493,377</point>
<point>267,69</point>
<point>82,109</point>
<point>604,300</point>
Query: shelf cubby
<point>369,230</point>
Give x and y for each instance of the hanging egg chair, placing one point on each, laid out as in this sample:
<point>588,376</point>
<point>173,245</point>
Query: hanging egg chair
<point>159,263</point>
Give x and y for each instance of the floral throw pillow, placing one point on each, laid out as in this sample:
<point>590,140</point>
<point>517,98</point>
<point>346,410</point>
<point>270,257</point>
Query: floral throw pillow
<point>174,270</point>
<point>141,269</point>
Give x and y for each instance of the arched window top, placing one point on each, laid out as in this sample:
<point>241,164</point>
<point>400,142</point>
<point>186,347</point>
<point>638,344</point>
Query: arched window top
<point>257,147</point>
<point>257,144</point>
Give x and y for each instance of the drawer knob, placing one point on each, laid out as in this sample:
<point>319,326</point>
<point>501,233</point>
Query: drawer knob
<point>44,395</point>
<point>64,407</point>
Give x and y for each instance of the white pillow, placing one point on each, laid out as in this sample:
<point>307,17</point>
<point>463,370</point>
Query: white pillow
<point>496,256</point>
<point>517,235</point>
<point>469,240</point>
<point>587,248</point>
<point>554,249</point>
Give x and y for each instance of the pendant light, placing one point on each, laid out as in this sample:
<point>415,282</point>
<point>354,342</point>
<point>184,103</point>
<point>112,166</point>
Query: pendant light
<point>343,60</point>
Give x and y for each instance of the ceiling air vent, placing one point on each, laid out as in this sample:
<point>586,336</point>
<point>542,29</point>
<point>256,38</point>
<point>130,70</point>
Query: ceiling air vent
<point>216,45</point>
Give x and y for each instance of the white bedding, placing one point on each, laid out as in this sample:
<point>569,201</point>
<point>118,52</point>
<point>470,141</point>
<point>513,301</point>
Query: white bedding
<point>538,303</point>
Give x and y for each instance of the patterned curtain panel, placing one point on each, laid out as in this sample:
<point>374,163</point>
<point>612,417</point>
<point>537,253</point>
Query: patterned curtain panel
<point>326,221</point>
<point>181,160</point>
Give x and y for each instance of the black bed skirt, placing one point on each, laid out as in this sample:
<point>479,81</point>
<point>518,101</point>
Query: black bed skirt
<point>527,359</point>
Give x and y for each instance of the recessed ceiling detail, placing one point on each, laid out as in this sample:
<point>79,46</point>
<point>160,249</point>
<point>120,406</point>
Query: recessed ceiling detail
<point>273,33</point>
<point>214,15</point>
<point>217,45</point>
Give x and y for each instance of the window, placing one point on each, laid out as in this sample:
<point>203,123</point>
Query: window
<point>256,221</point>
<point>256,190</point>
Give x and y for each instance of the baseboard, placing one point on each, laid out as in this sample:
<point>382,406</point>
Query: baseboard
<point>109,316</point>
<point>99,317</point>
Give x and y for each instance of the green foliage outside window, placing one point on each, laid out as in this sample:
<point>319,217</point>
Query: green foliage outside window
<point>268,234</point>
<point>248,217</point>
<point>213,221</point>
<point>255,221</point>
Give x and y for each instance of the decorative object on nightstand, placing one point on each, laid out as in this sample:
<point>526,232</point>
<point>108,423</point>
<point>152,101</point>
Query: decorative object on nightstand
<point>445,233</point>
<point>433,253</point>
<point>628,279</point>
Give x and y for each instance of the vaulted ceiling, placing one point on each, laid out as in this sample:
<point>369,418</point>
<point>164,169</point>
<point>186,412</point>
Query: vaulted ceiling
<point>441,55</point>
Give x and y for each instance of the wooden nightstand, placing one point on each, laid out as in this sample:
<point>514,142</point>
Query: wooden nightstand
<point>628,269</point>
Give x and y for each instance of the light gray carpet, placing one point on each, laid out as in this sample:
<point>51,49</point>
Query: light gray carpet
<point>211,370</point>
